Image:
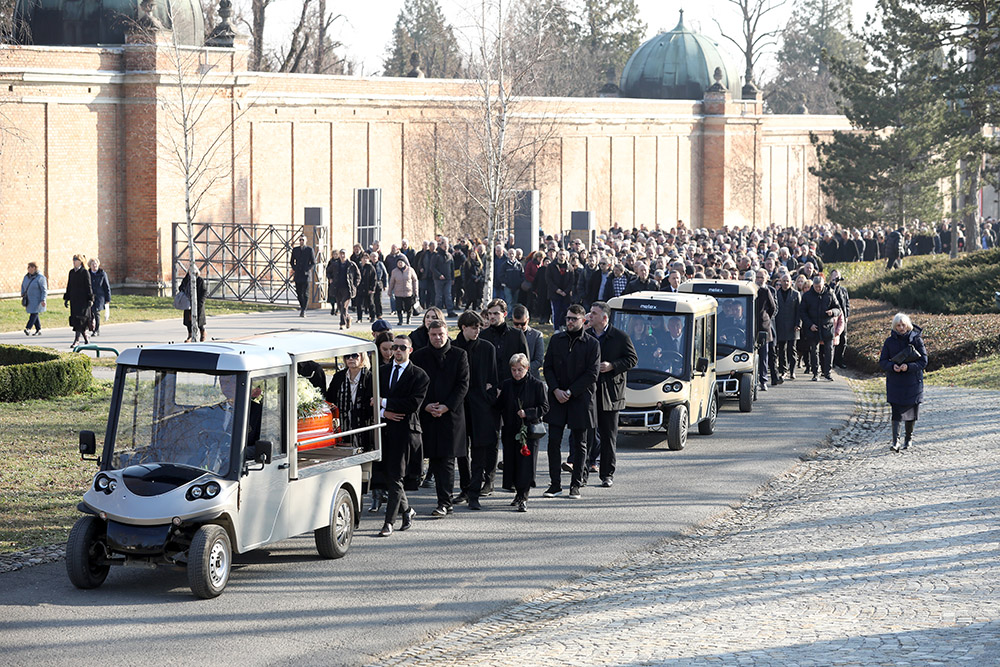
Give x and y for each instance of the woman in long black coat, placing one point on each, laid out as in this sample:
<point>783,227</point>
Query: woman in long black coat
<point>522,401</point>
<point>202,293</point>
<point>351,391</point>
<point>79,297</point>
<point>102,293</point>
<point>904,378</point>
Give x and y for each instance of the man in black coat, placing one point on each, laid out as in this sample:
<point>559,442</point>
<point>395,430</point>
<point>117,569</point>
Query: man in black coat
<point>482,420</point>
<point>766,304</point>
<point>303,261</point>
<point>618,357</point>
<point>572,366</point>
<point>442,414</point>
<point>559,280</point>
<point>642,282</point>
<point>505,339</point>
<point>403,387</point>
<point>442,269</point>
<point>818,312</point>
<point>599,280</point>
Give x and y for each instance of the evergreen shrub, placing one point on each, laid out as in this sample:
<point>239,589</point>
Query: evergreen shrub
<point>34,372</point>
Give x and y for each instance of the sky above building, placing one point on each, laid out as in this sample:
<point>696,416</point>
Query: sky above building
<point>365,28</point>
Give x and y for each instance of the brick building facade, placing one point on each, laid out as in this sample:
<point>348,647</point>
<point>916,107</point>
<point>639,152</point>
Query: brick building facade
<point>86,164</point>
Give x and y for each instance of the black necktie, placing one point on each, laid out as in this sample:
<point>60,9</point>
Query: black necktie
<point>395,376</point>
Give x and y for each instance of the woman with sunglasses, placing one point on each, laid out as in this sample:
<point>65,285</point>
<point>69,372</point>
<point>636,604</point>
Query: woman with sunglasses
<point>351,391</point>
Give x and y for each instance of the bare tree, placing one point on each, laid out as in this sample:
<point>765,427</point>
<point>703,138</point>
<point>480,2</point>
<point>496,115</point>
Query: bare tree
<point>198,140</point>
<point>756,39</point>
<point>505,132</point>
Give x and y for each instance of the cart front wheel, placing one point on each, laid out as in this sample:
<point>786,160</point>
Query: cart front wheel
<point>677,428</point>
<point>210,560</point>
<point>86,552</point>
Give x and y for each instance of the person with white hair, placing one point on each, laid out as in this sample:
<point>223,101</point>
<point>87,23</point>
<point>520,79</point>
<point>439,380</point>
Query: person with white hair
<point>903,359</point>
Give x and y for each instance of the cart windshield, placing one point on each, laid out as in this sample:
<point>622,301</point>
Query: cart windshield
<point>734,330</point>
<point>179,417</point>
<point>662,342</point>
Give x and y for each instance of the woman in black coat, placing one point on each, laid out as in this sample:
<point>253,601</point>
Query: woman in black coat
<point>419,336</point>
<point>904,379</point>
<point>102,293</point>
<point>351,391</point>
<point>522,402</point>
<point>79,297</point>
<point>202,293</point>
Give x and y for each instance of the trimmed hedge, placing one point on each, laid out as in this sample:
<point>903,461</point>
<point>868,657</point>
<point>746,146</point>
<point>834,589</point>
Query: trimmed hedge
<point>950,339</point>
<point>930,283</point>
<point>35,372</point>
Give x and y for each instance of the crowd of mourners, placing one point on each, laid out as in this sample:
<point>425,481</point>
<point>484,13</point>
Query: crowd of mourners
<point>451,403</point>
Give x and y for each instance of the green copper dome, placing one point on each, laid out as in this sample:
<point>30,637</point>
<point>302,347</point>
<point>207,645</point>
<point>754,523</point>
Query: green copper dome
<point>676,65</point>
<point>92,22</point>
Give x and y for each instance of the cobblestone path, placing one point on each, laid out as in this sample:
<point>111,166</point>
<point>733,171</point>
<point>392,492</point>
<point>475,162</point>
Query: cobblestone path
<point>855,557</point>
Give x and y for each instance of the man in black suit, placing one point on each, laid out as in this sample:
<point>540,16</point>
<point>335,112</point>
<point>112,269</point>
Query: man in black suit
<point>442,412</point>
<point>404,386</point>
<point>618,357</point>
<point>572,365</point>
<point>303,261</point>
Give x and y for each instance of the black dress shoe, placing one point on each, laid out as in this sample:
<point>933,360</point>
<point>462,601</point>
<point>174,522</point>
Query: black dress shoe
<point>408,519</point>
<point>386,530</point>
<point>460,498</point>
<point>474,504</point>
<point>522,506</point>
<point>486,491</point>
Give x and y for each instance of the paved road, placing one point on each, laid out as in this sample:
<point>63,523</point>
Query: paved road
<point>284,605</point>
<point>858,557</point>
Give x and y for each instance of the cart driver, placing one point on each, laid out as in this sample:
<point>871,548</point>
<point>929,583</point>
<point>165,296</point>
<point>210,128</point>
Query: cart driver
<point>732,324</point>
<point>671,350</point>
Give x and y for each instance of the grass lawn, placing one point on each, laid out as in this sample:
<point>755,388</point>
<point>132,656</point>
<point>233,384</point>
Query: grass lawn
<point>43,478</point>
<point>124,308</point>
<point>983,373</point>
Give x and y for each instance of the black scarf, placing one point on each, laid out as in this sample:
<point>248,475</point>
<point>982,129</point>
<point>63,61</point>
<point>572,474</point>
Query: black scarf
<point>440,353</point>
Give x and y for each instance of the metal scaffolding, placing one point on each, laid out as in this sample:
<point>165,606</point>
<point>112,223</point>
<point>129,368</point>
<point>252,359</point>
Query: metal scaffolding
<point>249,262</point>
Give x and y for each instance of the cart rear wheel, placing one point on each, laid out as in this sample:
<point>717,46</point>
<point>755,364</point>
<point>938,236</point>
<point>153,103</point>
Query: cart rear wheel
<point>210,559</point>
<point>85,553</point>
<point>677,428</point>
<point>746,392</point>
<point>334,540</point>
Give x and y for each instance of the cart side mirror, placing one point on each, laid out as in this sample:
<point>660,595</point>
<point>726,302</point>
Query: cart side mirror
<point>88,446</point>
<point>702,365</point>
<point>260,452</point>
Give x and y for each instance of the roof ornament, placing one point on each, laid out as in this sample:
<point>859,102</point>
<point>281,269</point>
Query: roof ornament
<point>223,34</point>
<point>717,87</point>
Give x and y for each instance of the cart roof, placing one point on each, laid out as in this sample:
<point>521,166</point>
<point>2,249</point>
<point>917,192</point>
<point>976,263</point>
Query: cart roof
<point>719,287</point>
<point>664,302</point>
<point>267,350</point>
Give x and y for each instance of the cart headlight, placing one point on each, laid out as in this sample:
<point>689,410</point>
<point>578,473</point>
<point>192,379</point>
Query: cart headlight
<point>196,492</point>
<point>103,484</point>
<point>677,386</point>
<point>212,489</point>
<point>209,490</point>
<point>112,484</point>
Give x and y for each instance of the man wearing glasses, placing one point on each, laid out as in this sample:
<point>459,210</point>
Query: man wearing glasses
<point>520,318</point>
<point>403,386</point>
<point>572,365</point>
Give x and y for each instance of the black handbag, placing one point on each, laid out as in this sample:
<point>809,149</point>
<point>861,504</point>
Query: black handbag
<point>906,355</point>
<point>24,300</point>
<point>536,431</point>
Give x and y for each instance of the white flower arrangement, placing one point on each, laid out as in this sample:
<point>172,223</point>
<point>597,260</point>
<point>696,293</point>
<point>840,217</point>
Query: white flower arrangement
<point>308,399</point>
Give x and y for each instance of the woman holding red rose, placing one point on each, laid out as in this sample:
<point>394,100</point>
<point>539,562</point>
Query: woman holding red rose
<point>522,402</point>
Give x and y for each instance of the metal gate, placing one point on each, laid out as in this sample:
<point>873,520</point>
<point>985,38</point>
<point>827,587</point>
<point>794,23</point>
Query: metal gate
<point>248,262</point>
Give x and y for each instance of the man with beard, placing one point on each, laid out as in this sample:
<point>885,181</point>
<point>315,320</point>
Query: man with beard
<point>481,417</point>
<point>617,358</point>
<point>442,414</point>
<point>404,388</point>
<point>572,366</point>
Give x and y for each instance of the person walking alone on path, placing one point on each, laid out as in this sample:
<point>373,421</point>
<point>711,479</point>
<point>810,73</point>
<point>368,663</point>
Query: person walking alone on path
<point>903,359</point>
<point>202,293</point>
<point>572,366</point>
<point>303,260</point>
<point>79,297</point>
<point>405,387</point>
<point>34,292</point>
<point>618,357</point>
<point>442,413</point>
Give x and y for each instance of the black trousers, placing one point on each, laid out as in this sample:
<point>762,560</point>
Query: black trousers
<point>302,293</point>
<point>838,352</point>
<point>786,356</point>
<point>484,466</point>
<point>577,455</point>
<point>603,442</point>
<point>443,469</point>
<point>821,356</point>
<point>464,465</point>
